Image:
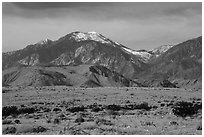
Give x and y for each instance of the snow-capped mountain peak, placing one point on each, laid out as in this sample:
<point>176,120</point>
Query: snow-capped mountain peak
<point>92,32</point>
<point>43,42</point>
<point>82,36</point>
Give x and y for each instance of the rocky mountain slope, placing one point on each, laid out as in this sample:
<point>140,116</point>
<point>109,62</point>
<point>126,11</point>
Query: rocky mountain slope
<point>78,48</point>
<point>78,76</point>
<point>182,63</point>
<point>160,50</point>
<point>175,63</point>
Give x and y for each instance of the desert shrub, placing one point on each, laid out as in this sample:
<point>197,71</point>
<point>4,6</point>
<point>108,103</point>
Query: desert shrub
<point>113,107</point>
<point>199,126</point>
<point>62,116</point>
<point>128,101</point>
<point>184,109</point>
<point>41,103</point>
<point>56,109</point>
<point>28,110</point>
<point>198,99</point>
<point>174,123</point>
<point>56,121</point>
<point>154,107</point>
<point>143,105</point>
<point>79,120</point>
<point>9,130</point>
<point>76,109</point>
<point>9,110</point>
<point>33,103</point>
<point>170,104</point>
<point>48,119</point>
<point>39,129</point>
<point>5,90</point>
<point>162,104</point>
<point>14,110</point>
<point>95,107</point>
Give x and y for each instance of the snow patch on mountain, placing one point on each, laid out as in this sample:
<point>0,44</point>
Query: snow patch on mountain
<point>43,42</point>
<point>160,50</point>
<point>82,36</point>
<point>144,55</point>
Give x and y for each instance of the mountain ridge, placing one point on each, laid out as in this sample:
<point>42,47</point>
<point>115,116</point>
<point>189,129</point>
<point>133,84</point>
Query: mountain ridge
<point>92,48</point>
<point>80,76</point>
<point>180,64</point>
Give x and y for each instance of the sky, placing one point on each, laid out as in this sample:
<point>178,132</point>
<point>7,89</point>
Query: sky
<point>133,24</point>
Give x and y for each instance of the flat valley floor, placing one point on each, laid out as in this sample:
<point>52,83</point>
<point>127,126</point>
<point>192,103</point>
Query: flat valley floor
<point>98,111</point>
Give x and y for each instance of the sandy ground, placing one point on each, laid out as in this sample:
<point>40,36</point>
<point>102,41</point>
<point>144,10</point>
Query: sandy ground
<point>67,110</point>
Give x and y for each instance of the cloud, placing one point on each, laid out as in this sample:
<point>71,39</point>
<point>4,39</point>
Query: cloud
<point>100,10</point>
<point>136,25</point>
<point>189,9</point>
<point>58,5</point>
<point>51,9</point>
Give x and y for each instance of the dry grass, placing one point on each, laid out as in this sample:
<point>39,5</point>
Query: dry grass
<point>98,111</point>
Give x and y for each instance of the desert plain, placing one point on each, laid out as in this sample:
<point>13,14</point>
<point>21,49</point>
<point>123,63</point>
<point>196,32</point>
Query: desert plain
<point>67,110</point>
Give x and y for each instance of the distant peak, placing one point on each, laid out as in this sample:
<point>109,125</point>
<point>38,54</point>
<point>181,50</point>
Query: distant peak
<point>92,35</point>
<point>85,33</point>
<point>45,41</point>
<point>161,49</point>
<point>92,32</point>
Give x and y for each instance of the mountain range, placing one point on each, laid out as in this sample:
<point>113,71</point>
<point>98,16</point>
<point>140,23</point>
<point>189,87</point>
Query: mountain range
<point>103,61</point>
